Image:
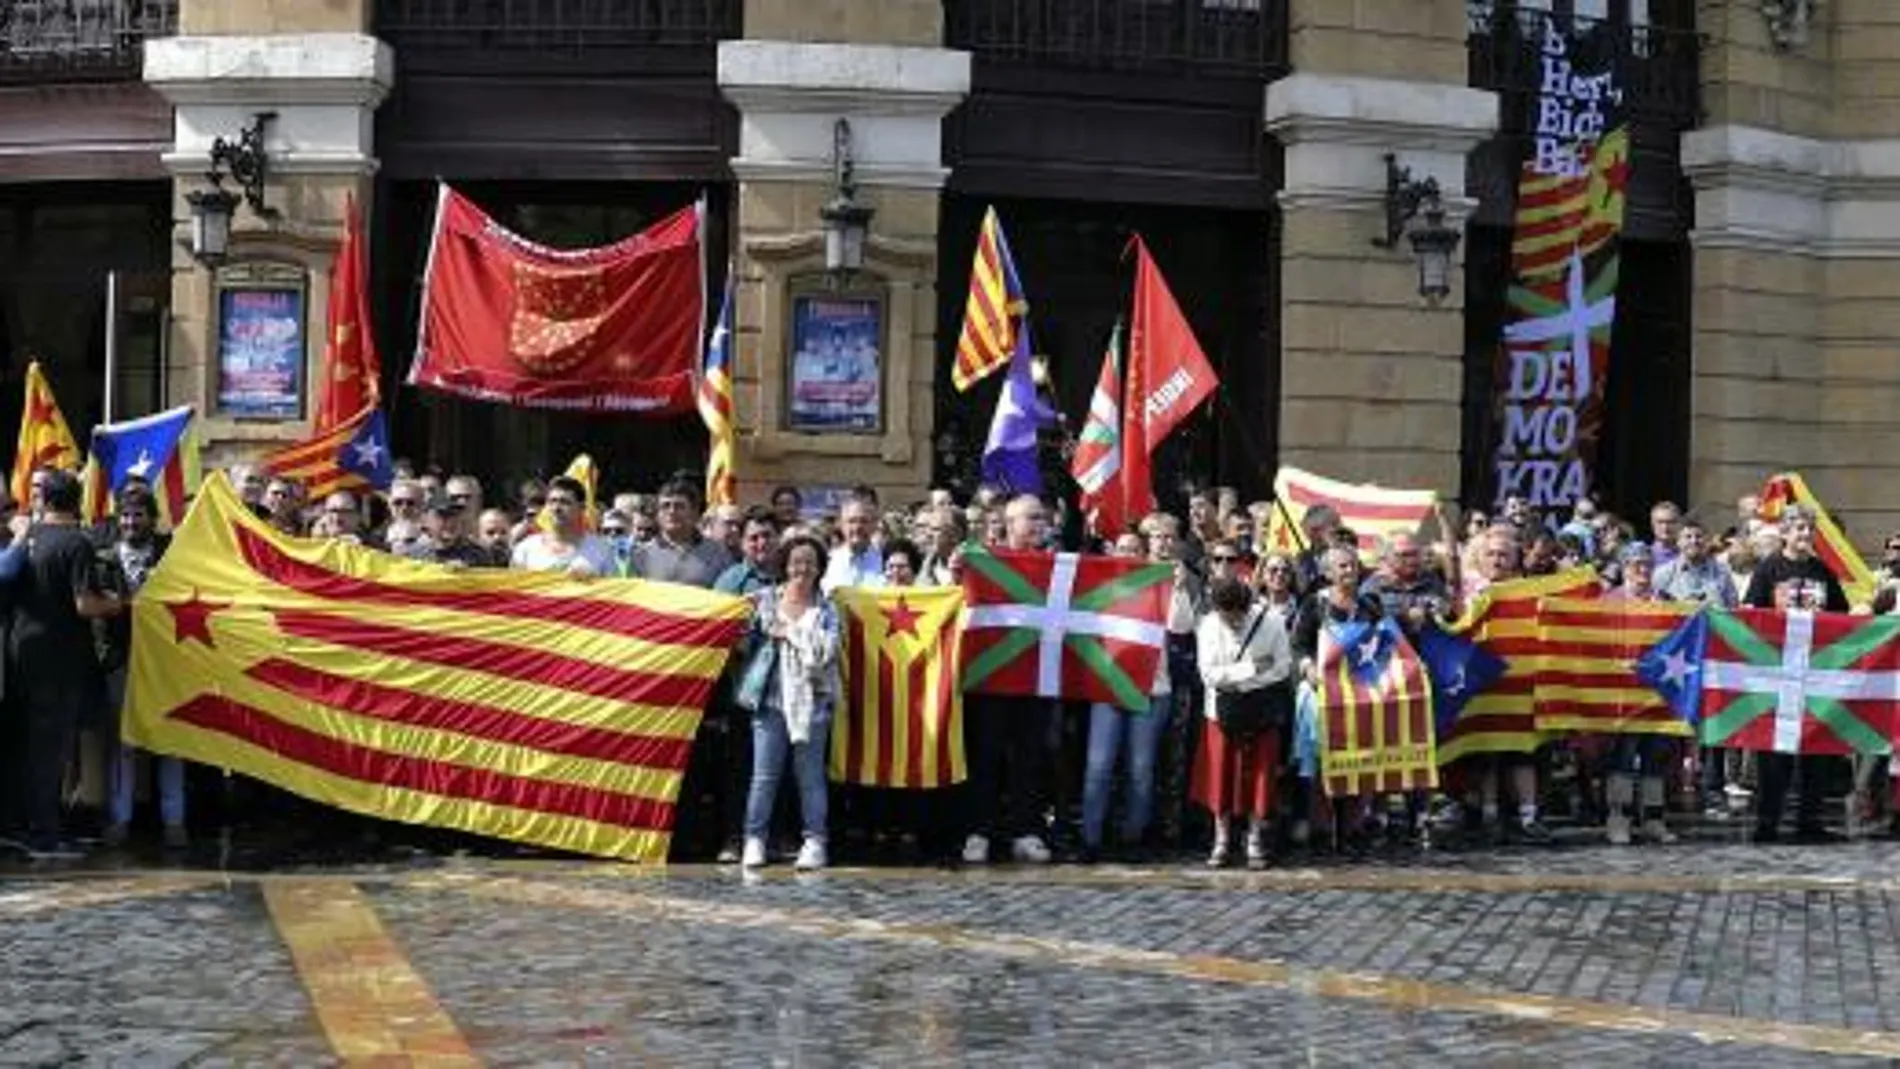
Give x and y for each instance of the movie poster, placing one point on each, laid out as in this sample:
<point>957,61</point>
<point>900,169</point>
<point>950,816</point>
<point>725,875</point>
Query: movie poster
<point>261,352</point>
<point>836,366</point>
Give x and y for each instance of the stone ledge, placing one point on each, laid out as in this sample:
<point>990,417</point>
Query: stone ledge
<point>311,68</point>
<point>882,79</point>
<point>1766,191</point>
<point>1379,111</point>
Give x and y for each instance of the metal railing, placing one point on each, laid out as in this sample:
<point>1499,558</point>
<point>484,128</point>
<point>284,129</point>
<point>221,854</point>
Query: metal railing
<point>79,40</point>
<point>1234,37</point>
<point>557,26</point>
<point>1656,66</point>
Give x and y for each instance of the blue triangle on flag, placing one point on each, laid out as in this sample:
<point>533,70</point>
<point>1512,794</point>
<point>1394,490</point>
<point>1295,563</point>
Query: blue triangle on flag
<point>1460,670</point>
<point>1673,666</point>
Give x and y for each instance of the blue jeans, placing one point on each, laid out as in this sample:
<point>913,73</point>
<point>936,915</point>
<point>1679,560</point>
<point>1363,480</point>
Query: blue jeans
<point>170,775</point>
<point>771,743</point>
<point>1135,737</point>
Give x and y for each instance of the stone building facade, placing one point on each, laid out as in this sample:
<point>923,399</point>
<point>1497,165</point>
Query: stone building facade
<point>1246,138</point>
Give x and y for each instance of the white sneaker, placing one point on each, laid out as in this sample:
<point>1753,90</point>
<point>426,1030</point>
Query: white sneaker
<point>1256,846</point>
<point>1618,829</point>
<point>976,850</point>
<point>1029,849</point>
<point>1217,858</point>
<point>753,856</point>
<point>811,856</point>
<point>1657,832</point>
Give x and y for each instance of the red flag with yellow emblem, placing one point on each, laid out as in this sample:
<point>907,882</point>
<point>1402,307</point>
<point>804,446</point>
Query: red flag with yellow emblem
<point>609,329</point>
<point>45,440</point>
<point>352,369</point>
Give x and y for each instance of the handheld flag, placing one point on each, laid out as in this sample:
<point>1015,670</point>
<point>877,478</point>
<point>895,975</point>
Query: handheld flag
<point>1503,718</point>
<point>1831,544</point>
<point>1098,452</point>
<point>352,456</point>
<point>1460,670</point>
<point>1375,711</point>
<point>45,441</point>
<point>715,405</point>
<point>992,313</point>
<point>1009,455</point>
<point>1673,667</point>
<point>1790,682</point>
<point>352,369</point>
<point>1064,625</point>
<point>1591,673</point>
<point>1168,377</point>
<point>1372,512</point>
<point>902,725</point>
<point>519,705</point>
<point>161,450</point>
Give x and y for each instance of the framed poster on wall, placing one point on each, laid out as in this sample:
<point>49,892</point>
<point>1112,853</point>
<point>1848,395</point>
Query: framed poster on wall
<point>836,374</point>
<point>261,345</point>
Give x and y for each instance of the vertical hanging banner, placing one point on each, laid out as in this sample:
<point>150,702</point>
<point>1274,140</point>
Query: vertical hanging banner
<point>1555,356</point>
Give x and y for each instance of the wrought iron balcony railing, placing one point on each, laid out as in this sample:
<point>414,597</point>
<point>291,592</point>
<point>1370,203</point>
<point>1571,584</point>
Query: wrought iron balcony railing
<point>1656,66</point>
<point>1234,37</point>
<point>79,40</point>
<point>556,26</point>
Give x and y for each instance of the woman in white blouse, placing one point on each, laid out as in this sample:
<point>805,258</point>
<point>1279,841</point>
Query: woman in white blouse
<point>1242,647</point>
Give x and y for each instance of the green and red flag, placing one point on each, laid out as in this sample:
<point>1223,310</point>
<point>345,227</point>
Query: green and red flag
<point>1064,625</point>
<point>1784,682</point>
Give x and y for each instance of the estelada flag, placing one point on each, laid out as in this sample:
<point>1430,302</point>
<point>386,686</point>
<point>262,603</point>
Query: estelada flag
<point>902,725</point>
<point>1831,544</point>
<point>160,449</point>
<point>1591,647</point>
<point>352,368</point>
<point>1375,712</point>
<point>45,441</point>
<point>1370,511</point>
<point>608,329</point>
<point>1785,682</point>
<point>1064,625</point>
<point>1503,621</point>
<point>520,705</point>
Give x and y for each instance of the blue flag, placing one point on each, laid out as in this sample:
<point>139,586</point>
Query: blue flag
<point>1009,456</point>
<point>367,453</point>
<point>139,448</point>
<point>1460,670</point>
<point>1674,666</point>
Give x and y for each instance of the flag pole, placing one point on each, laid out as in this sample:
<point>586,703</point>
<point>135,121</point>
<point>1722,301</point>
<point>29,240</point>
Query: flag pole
<point>1259,458</point>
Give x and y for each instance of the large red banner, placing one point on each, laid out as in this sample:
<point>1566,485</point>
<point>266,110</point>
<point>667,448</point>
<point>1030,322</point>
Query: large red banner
<point>614,328</point>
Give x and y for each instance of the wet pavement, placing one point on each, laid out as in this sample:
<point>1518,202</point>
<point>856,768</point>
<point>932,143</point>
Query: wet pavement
<point>1705,953</point>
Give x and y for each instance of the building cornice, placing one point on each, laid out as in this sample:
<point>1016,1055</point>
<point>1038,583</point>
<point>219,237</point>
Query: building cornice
<point>1766,191</point>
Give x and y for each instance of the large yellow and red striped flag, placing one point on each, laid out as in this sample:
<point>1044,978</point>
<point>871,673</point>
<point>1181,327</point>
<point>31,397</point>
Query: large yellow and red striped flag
<point>520,705</point>
<point>1589,682</point>
<point>902,725</point>
<point>1372,512</point>
<point>1503,717</point>
<point>45,441</point>
<point>715,405</point>
<point>1831,544</point>
<point>992,312</point>
<point>1375,712</point>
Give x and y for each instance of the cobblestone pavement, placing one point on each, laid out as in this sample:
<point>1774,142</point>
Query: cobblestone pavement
<point>1696,955</point>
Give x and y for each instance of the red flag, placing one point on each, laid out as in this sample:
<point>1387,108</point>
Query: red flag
<point>610,329</point>
<point>352,369</point>
<point>1168,377</point>
<point>1098,454</point>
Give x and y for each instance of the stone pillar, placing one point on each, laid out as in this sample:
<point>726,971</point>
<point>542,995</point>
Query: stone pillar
<point>310,62</point>
<point>1371,375</point>
<point>880,68</point>
<point>1797,261</point>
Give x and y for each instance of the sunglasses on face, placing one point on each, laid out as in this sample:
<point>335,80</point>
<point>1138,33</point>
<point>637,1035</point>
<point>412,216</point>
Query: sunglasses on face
<point>614,532</point>
<point>1224,558</point>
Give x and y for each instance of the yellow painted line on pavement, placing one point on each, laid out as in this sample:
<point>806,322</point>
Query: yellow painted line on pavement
<point>375,1009</point>
<point>29,898</point>
<point>1390,991</point>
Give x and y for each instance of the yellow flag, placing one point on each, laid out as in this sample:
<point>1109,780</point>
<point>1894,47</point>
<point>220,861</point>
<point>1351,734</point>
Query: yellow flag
<point>582,470</point>
<point>902,725</point>
<point>520,705</point>
<point>45,440</point>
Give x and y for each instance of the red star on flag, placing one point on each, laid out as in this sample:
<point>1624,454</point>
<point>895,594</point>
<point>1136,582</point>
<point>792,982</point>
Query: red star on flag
<point>192,619</point>
<point>901,619</point>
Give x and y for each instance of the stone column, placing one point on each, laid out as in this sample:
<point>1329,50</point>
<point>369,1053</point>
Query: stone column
<point>1797,261</point>
<point>881,68</point>
<point>313,63</point>
<point>1371,375</point>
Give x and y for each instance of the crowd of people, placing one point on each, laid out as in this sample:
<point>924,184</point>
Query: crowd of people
<point>1045,778</point>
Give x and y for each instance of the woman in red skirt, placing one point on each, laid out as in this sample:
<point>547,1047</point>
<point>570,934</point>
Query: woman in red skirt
<point>1241,647</point>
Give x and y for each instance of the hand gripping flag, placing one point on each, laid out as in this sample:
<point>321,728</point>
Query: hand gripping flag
<point>1831,544</point>
<point>1375,712</point>
<point>1459,669</point>
<point>993,312</point>
<point>609,329</point>
<point>1504,622</point>
<point>352,456</point>
<point>352,369</point>
<point>902,725</point>
<point>1785,682</point>
<point>715,405</point>
<point>161,450</point>
<point>45,441</point>
<point>1590,680</point>
<point>1098,449</point>
<point>1371,512</point>
<point>1064,625</point>
<point>520,705</point>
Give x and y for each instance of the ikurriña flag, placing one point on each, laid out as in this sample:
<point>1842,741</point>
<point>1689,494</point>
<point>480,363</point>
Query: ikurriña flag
<point>1589,680</point>
<point>902,722</point>
<point>1375,712</point>
<point>1064,625</point>
<point>518,705</point>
